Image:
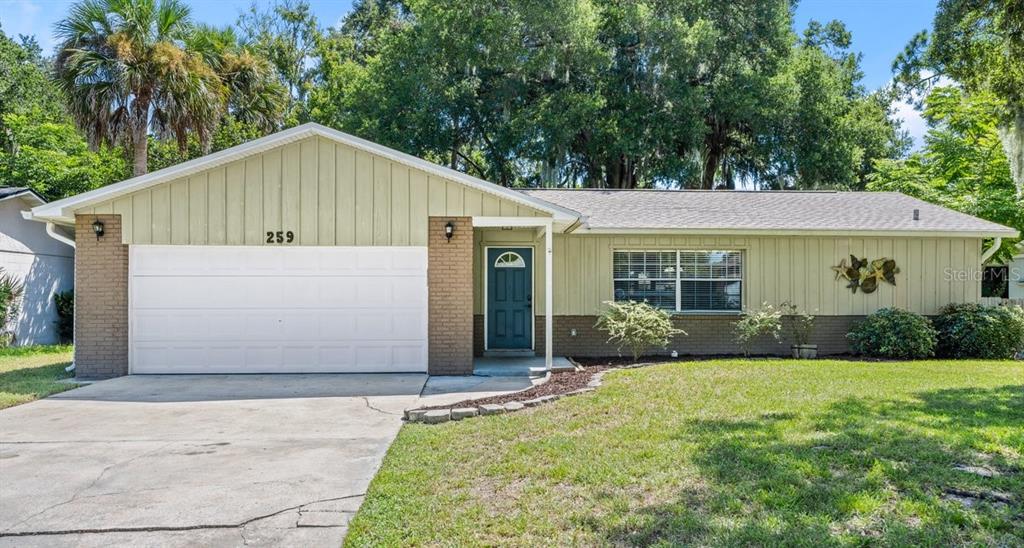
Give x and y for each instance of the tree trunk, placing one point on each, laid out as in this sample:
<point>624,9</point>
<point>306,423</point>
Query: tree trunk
<point>620,173</point>
<point>1012,136</point>
<point>712,158</point>
<point>140,136</point>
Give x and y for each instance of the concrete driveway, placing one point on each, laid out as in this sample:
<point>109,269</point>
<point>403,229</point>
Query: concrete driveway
<point>197,460</point>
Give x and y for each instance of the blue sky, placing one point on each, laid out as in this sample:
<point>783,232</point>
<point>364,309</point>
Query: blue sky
<point>880,27</point>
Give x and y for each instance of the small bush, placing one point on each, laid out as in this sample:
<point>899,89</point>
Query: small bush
<point>974,331</point>
<point>894,333</point>
<point>637,326</point>
<point>754,325</point>
<point>11,291</point>
<point>65,303</point>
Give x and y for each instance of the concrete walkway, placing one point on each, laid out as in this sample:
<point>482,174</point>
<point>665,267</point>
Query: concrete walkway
<point>207,460</point>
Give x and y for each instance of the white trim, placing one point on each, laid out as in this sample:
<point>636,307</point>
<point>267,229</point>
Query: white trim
<point>533,290</point>
<point>28,195</point>
<point>549,314</point>
<point>514,222</point>
<point>63,210</point>
<point>793,232</point>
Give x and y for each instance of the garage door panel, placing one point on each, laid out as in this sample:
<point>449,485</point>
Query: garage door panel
<point>311,309</point>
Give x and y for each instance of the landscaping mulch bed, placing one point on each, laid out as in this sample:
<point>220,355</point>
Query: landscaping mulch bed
<point>558,384</point>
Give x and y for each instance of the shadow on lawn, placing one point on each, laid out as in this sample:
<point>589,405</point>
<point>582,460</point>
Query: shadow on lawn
<point>32,382</point>
<point>863,471</point>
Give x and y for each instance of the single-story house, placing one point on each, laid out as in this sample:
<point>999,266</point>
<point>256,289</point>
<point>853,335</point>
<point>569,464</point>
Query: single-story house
<point>44,265</point>
<point>1016,277</point>
<point>311,250</point>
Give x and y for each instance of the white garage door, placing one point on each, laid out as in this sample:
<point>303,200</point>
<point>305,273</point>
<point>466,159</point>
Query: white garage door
<point>235,309</point>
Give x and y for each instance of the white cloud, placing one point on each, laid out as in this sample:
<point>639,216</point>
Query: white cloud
<point>912,120</point>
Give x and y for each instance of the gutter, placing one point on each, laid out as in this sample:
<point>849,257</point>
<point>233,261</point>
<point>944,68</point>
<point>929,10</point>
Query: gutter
<point>992,250</point>
<point>51,230</point>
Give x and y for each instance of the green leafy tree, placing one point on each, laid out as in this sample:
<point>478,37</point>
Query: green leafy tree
<point>285,33</point>
<point>41,148</point>
<point>54,159</point>
<point>980,45</point>
<point>606,94</point>
<point>963,165</point>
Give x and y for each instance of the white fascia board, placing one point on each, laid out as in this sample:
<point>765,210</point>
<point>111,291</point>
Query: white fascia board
<point>1006,233</point>
<point>63,210</point>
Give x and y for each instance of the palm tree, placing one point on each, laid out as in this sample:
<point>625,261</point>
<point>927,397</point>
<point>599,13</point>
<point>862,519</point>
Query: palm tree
<point>255,96</point>
<point>126,67</point>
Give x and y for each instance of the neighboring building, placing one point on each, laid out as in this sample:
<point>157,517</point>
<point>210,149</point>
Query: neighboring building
<point>314,251</point>
<point>43,264</point>
<point>1016,278</point>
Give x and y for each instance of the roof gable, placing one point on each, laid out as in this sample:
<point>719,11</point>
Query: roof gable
<point>63,210</point>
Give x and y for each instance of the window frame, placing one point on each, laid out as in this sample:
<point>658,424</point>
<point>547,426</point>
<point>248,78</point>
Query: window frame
<point>679,279</point>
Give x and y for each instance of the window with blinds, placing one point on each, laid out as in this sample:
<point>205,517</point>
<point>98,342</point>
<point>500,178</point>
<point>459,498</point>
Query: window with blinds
<point>680,281</point>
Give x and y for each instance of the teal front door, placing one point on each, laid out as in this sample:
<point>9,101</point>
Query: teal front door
<point>509,298</point>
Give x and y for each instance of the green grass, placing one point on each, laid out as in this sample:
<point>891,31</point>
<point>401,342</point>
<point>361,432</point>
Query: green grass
<point>31,372</point>
<point>728,452</point>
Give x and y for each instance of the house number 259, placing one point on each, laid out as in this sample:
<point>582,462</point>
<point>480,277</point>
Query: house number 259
<point>280,237</point>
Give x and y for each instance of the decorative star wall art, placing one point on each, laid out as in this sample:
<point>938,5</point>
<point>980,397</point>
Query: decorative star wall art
<point>866,276</point>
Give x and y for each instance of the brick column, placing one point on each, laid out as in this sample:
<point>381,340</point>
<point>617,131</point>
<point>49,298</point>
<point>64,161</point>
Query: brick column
<point>101,299</point>
<point>450,283</point>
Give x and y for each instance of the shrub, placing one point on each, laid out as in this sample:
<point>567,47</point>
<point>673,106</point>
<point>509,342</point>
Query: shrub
<point>801,324</point>
<point>974,331</point>
<point>894,333</point>
<point>637,326</point>
<point>754,325</point>
<point>65,303</point>
<point>11,290</point>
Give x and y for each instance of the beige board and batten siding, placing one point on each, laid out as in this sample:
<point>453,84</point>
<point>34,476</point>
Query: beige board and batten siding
<point>933,271</point>
<point>326,193</point>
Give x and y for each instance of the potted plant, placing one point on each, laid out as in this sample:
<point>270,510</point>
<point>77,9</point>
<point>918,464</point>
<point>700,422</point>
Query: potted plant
<point>801,325</point>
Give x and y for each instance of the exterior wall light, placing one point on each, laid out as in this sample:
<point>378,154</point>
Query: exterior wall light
<point>449,230</point>
<point>97,227</point>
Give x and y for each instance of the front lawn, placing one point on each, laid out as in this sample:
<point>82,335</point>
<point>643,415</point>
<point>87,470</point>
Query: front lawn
<point>32,372</point>
<point>726,452</point>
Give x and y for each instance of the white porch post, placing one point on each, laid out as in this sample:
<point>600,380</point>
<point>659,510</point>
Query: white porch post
<point>548,297</point>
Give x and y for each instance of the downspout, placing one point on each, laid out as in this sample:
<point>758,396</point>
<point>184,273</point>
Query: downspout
<point>51,230</point>
<point>992,250</point>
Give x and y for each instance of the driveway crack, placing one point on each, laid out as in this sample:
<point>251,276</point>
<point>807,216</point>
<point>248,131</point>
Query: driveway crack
<point>78,493</point>
<point>366,400</point>
<point>155,529</point>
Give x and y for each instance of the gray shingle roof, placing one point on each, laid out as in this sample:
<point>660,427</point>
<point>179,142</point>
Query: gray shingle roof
<point>763,211</point>
<point>12,191</point>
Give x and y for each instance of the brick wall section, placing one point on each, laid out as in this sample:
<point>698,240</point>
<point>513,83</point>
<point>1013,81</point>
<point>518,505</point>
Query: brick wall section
<point>708,335</point>
<point>101,299</point>
<point>450,283</point>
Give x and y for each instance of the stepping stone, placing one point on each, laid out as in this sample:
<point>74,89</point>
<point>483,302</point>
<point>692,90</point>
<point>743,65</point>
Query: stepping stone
<point>437,416</point>
<point>464,412</point>
<point>491,409</point>
<point>415,415</point>
<point>976,470</point>
<point>513,406</point>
